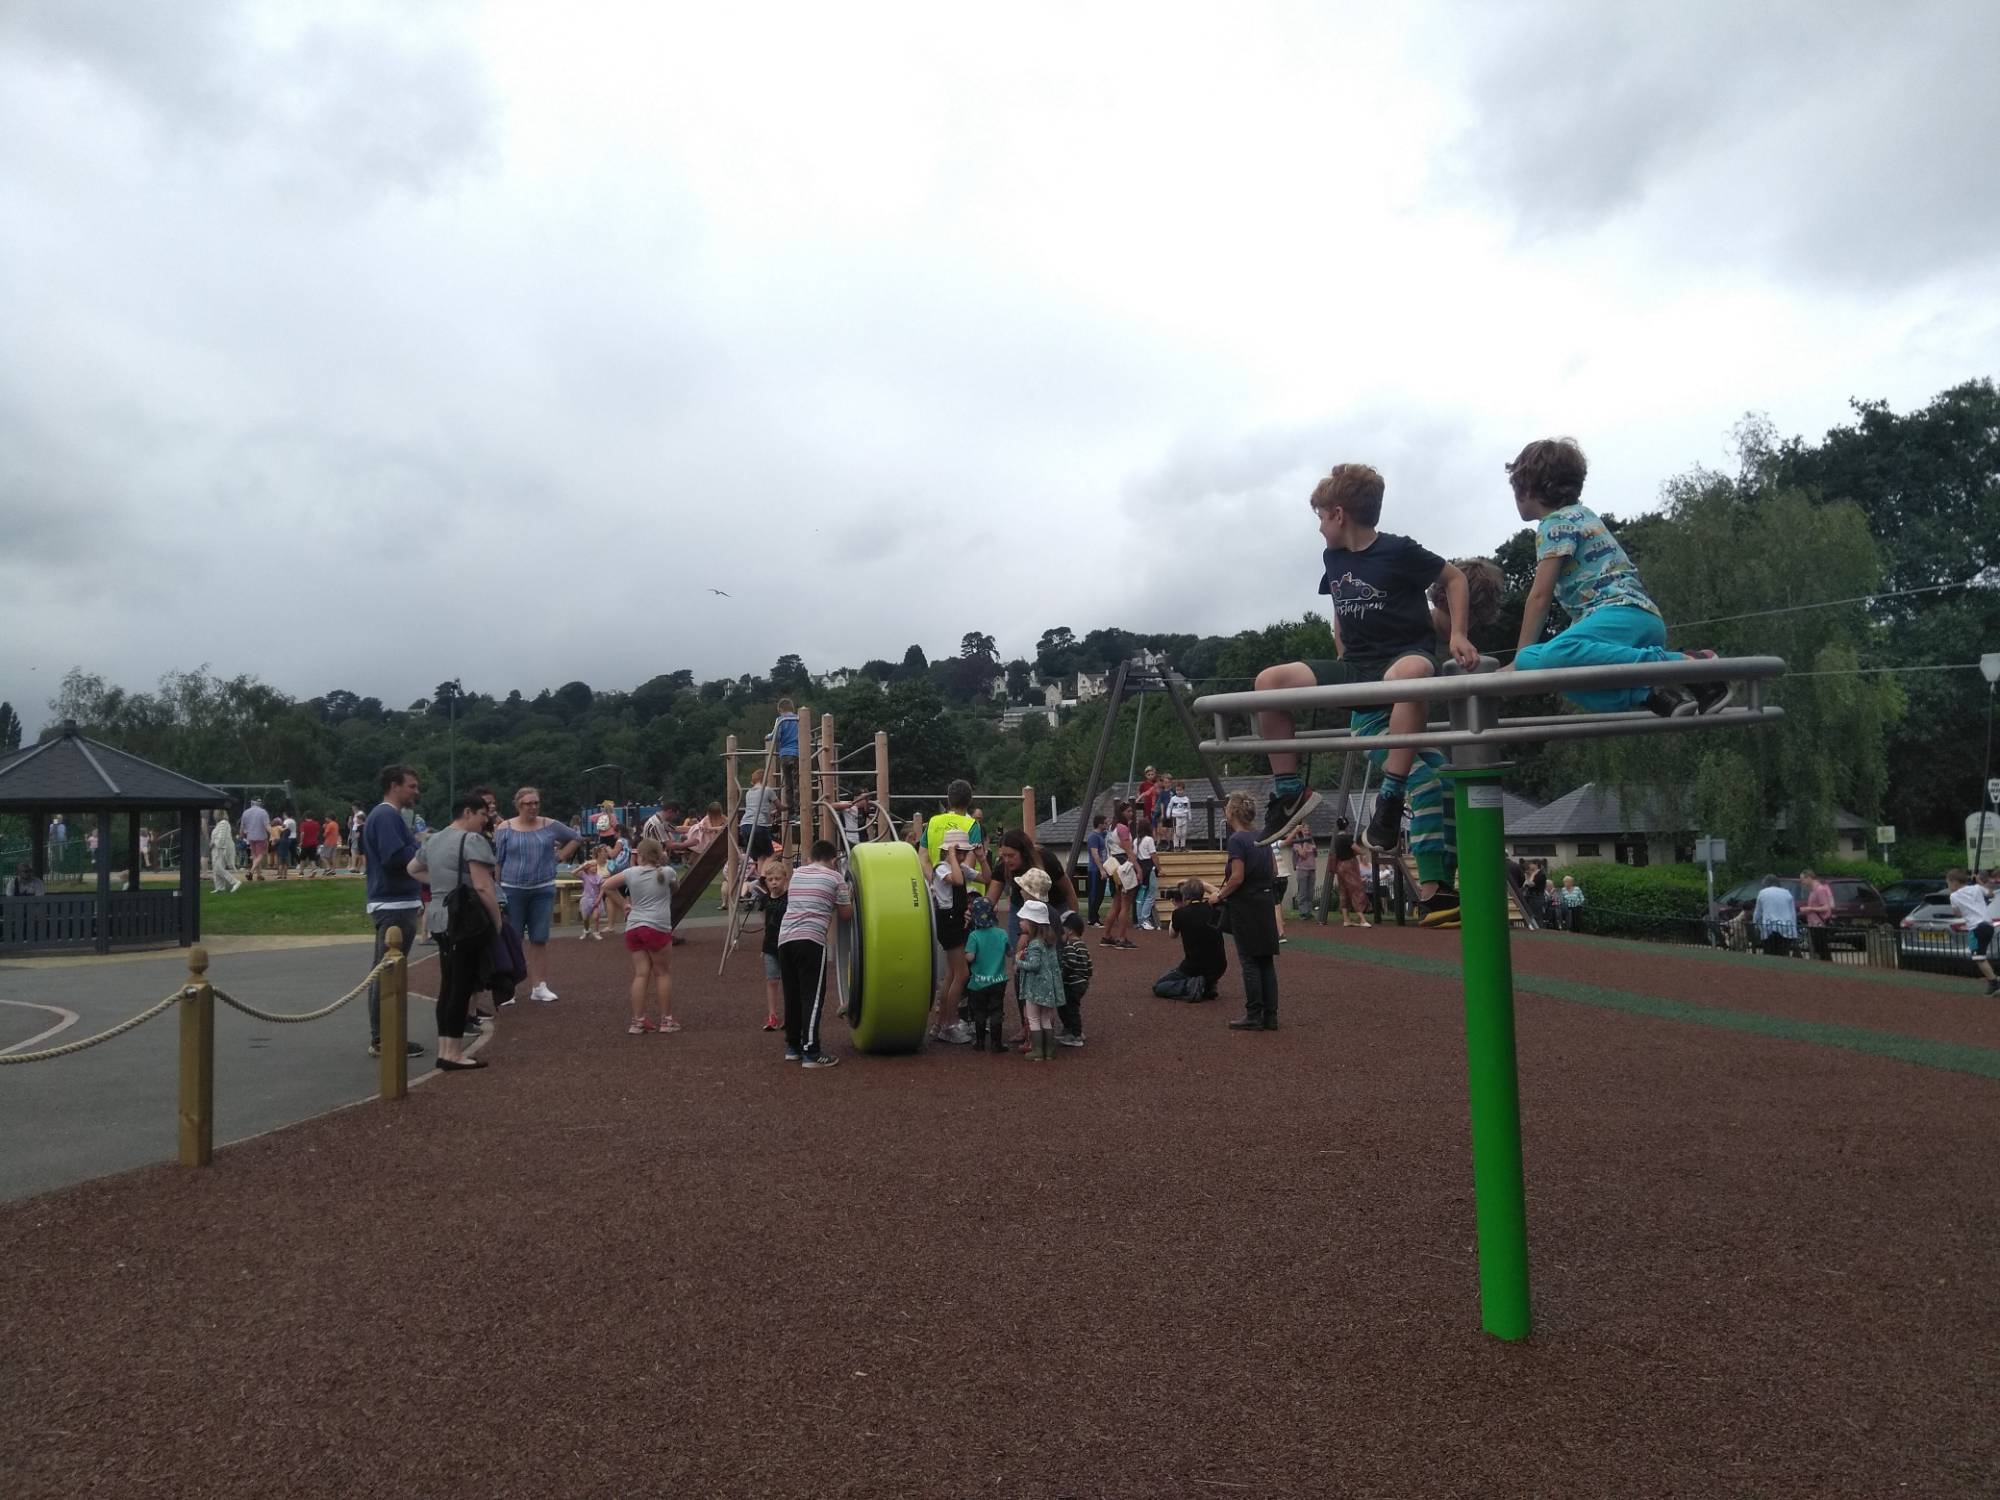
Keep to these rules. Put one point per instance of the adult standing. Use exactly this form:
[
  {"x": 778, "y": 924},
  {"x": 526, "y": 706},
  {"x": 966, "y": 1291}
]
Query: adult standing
[
  {"x": 1818, "y": 911},
  {"x": 1249, "y": 895},
  {"x": 1093, "y": 851},
  {"x": 460, "y": 854},
  {"x": 1536, "y": 890},
  {"x": 394, "y": 895},
  {"x": 355, "y": 821},
  {"x": 58, "y": 842},
  {"x": 1569, "y": 900},
  {"x": 1017, "y": 854},
  {"x": 222, "y": 856},
  {"x": 1777, "y": 917},
  {"x": 1347, "y": 876},
  {"x": 288, "y": 844},
  {"x": 309, "y": 837},
  {"x": 257, "y": 834},
  {"x": 530, "y": 846},
  {"x": 1305, "y": 869}
]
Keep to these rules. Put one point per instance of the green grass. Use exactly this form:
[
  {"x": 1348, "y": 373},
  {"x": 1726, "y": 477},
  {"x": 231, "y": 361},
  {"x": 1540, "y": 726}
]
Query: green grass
[{"x": 290, "y": 908}]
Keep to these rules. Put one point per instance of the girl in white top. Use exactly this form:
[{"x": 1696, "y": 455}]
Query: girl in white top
[{"x": 648, "y": 884}]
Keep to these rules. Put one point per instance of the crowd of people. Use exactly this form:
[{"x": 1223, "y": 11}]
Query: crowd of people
[{"x": 262, "y": 845}]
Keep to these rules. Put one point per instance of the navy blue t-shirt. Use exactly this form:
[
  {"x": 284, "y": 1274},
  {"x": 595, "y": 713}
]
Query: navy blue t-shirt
[{"x": 1378, "y": 596}]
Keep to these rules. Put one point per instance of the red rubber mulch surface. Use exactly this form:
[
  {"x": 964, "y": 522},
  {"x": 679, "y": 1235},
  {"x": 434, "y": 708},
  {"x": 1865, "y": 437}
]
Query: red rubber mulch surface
[{"x": 1178, "y": 1262}]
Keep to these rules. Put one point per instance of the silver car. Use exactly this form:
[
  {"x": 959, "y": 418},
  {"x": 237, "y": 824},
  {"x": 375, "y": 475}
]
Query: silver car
[{"x": 1935, "y": 936}]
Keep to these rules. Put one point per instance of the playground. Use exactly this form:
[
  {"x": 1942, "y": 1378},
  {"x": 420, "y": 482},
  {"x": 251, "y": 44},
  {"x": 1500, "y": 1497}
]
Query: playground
[{"x": 1180, "y": 1262}]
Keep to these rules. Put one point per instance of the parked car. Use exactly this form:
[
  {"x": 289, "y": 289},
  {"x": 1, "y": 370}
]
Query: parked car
[
  {"x": 1904, "y": 896},
  {"x": 1856, "y": 903},
  {"x": 1934, "y": 936}
]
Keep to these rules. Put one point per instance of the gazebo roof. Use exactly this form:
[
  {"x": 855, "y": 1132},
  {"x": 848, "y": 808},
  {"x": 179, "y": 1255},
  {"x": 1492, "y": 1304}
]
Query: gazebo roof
[{"x": 71, "y": 771}]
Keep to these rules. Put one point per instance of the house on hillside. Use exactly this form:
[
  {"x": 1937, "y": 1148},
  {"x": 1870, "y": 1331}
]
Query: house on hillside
[
  {"x": 839, "y": 677},
  {"x": 1011, "y": 719},
  {"x": 1659, "y": 827}
]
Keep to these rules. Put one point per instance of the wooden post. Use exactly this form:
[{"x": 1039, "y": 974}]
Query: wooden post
[
  {"x": 190, "y": 902},
  {"x": 829, "y": 780},
  {"x": 882, "y": 783},
  {"x": 132, "y": 866},
  {"x": 805, "y": 806},
  {"x": 1028, "y": 811},
  {"x": 104, "y": 882},
  {"x": 197, "y": 1102},
  {"x": 395, "y": 1060},
  {"x": 732, "y": 872}
]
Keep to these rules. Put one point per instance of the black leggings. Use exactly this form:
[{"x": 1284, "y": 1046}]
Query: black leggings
[{"x": 458, "y": 977}]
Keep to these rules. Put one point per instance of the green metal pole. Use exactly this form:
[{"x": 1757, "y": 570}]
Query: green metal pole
[{"x": 1500, "y": 1203}]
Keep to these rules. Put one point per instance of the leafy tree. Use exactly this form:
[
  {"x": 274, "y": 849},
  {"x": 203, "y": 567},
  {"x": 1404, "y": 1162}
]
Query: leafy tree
[
  {"x": 10, "y": 728},
  {"x": 877, "y": 670},
  {"x": 1018, "y": 684},
  {"x": 789, "y": 675},
  {"x": 915, "y": 665},
  {"x": 980, "y": 648},
  {"x": 1055, "y": 652}
]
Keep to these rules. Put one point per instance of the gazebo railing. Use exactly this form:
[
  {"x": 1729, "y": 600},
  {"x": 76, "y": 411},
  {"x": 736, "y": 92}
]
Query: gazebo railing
[{"x": 69, "y": 919}]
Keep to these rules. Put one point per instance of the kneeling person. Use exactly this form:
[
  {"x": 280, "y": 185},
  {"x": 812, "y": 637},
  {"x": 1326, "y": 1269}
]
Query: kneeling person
[{"x": 1204, "y": 960}]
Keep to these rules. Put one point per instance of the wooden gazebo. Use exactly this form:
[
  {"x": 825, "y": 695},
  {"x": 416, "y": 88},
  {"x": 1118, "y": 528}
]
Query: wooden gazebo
[{"x": 79, "y": 777}]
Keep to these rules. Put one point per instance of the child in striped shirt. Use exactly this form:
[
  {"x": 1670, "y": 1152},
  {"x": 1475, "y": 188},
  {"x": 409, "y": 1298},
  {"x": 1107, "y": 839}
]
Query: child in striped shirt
[{"x": 818, "y": 893}]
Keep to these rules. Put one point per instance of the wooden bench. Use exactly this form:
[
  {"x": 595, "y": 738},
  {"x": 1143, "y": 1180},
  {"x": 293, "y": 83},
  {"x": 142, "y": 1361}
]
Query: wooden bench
[{"x": 569, "y": 901}]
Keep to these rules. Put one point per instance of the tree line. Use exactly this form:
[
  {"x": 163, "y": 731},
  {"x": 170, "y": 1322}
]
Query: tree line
[{"x": 1883, "y": 506}]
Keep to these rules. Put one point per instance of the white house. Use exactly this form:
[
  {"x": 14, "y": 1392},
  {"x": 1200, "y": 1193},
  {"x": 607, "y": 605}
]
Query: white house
[{"x": 1092, "y": 685}]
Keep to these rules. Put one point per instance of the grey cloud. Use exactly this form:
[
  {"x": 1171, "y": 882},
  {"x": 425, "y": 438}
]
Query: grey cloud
[
  {"x": 351, "y": 106},
  {"x": 1852, "y": 141}
]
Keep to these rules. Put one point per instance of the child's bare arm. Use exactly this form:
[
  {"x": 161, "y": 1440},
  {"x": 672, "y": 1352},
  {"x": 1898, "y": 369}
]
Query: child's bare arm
[
  {"x": 1457, "y": 603},
  {"x": 1541, "y": 594}
]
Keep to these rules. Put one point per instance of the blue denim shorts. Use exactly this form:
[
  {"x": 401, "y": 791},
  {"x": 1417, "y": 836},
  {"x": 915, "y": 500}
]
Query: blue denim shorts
[
  {"x": 771, "y": 969},
  {"x": 529, "y": 909}
]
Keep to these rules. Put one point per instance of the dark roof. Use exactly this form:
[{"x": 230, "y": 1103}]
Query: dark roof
[
  {"x": 1060, "y": 830},
  {"x": 71, "y": 771},
  {"x": 1593, "y": 811}
]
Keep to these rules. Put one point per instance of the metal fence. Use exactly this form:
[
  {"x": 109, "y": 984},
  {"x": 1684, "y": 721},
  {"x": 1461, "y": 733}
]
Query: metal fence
[{"x": 1878, "y": 947}]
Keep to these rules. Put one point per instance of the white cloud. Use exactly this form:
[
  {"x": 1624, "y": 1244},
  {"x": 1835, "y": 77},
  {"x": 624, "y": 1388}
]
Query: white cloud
[{"x": 820, "y": 305}]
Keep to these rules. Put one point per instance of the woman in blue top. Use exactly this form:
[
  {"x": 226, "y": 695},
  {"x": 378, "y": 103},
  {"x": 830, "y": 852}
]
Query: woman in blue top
[{"x": 529, "y": 846}]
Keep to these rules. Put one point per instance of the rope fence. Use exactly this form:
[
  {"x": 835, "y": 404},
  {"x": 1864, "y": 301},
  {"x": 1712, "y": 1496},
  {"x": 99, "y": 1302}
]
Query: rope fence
[
  {"x": 84, "y": 1044},
  {"x": 278, "y": 1019},
  {"x": 196, "y": 999}
]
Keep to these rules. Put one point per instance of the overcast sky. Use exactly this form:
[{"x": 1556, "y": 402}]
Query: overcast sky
[{"x": 479, "y": 340}]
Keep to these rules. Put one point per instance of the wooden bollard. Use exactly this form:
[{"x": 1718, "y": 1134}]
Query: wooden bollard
[
  {"x": 1028, "y": 810},
  {"x": 395, "y": 1018},
  {"x": 197, "y": 1101}
]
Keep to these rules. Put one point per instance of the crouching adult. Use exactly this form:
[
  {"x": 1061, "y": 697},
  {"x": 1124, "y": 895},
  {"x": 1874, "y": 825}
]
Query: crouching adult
[{"x": 1199, "y": 924}]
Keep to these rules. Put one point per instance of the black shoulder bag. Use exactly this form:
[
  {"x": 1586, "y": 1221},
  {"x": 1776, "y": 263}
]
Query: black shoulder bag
[{"x": 465, "y": 917}]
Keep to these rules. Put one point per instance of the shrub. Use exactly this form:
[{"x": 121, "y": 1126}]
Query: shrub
[
  {"x": 1642, "y": 891},
  {"x": 1872, "y": 871}
]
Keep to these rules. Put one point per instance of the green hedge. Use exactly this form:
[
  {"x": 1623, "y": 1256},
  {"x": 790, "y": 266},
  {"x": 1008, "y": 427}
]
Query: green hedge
[
  {"x": 1872, "y": 871},
  {"x": 1644, "y": 890}
]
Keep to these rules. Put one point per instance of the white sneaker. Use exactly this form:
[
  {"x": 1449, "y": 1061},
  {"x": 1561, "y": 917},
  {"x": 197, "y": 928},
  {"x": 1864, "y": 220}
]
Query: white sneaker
[
  {"x": 596, "y": 934},
  {"x": 542, "y": 993},
  {"x": 582, "y": 935}
]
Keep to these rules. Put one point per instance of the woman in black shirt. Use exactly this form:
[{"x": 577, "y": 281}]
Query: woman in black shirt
[{"x": 1249, "y": 895}]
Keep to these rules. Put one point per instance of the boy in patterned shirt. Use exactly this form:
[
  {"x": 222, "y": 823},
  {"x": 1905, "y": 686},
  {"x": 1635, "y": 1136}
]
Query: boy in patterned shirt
[{"x": 1579, "y": 564}]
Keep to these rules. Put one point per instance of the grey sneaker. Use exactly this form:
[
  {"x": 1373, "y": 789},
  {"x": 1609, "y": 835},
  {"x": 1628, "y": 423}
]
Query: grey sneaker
[
  {"x": 959, "y": 1033},
  {"x": 821, "y": 1060},
  {"x": 1068, "y": 1039}
]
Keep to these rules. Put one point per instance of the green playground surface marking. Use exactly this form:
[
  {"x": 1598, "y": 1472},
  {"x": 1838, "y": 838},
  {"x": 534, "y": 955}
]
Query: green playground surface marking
[
  {"x": 1950, "y": 1057},
  {"x": 1943, "y": 984}
]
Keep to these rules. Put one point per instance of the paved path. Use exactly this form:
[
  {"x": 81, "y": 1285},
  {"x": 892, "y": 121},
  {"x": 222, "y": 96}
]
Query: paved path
[{"x": 112, "y": 1108}]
